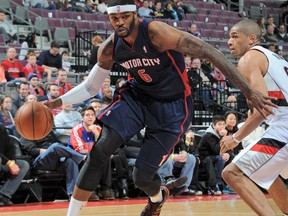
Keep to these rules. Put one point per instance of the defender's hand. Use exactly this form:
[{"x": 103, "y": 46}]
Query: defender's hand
[
  {"x": 226, "y": 144},
  {"x": 262, "y": 103}
]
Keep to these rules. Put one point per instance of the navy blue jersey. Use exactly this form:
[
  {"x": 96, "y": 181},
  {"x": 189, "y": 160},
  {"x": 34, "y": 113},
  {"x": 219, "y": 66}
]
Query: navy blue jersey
[{"x": 158, "y": 74}]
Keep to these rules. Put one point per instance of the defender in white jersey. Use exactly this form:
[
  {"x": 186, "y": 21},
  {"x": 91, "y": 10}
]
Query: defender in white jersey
[{"x": 261, "y": 162}]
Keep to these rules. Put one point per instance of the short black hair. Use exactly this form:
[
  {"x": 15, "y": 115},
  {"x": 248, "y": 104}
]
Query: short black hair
[
  {"x": 54, "y": 44},
  {"x": 23, "y": 83},
  {"x": 85, "y": 109},
  {"x": 52, "y": 84},
  {"x": 217, "y": 118},
  {"x": 65, "y": 52},
  {"x": 231, "y": 112},
  {"x": 111, "y": 3}
]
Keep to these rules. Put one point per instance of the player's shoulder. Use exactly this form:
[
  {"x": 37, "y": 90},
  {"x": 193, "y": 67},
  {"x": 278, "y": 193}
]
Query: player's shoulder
[
  {"x": 157, "y": 25},
  {"x": 253, "y": 56}
]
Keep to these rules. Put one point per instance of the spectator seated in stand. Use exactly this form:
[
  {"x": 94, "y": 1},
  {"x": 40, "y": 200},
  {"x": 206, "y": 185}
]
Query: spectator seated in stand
[
  {"x": 282, "y": 35},
  {"x": 194, "y": 30},
  {"x": 169, "y": 12},
  {"x": 14, "y": 170},
  {"x": 13, "y": 68},
  {"x": 92, "y": 54},
  {"x": 64, "y": 5},
  {"x": 66, "y": 64},
  {"x": 82, "y": 139},
  {"x": 270, "y": 37},
  {"x": 183, "y": 160},
  {"x": 209, "y": 151},
  {"x": 29, "y": 42},
  {"x": 51, "y": 59},
  {"x": 52, "y": 93},
  {"x": 34, "y": 87},
  {"x": 66, "y": 119},
  {"x": 32, "y": 67},
  {"x": 10, "y": 29},
  {"x": 145, "y": 11},
  {"x": 18, "y": 97},
  {"x": 106, "y": 85},
  {"x": 6, "y": 117},
  {"x": 63, "y": 85},
  {"x": 43, "y": 4}
]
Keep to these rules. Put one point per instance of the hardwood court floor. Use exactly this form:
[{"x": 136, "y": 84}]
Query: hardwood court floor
[{"x": 225, "y": 205}]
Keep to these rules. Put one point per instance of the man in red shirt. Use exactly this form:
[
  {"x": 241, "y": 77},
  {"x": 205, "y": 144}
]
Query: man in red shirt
[
  {"x": 13, "y": 68},
  {"x": 61, "y": 82}
]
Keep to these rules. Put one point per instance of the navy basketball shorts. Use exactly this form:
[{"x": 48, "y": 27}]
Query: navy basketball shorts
[{"x": 165, "y": 121}]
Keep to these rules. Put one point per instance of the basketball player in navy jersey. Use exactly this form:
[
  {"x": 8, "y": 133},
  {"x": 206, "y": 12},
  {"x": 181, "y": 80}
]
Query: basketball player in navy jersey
[{"x": 157, "y": 97}]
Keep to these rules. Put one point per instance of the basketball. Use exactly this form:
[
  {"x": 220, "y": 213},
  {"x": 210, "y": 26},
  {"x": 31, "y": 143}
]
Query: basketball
[{"x": 33, "y": 121}]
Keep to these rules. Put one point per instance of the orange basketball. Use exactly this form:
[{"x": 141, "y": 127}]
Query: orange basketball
[{"x": 33, "y": 121}]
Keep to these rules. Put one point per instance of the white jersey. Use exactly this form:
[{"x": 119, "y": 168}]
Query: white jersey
[
  {"x": 276, "y": 77},
  {"x": 264, "y": 159}
]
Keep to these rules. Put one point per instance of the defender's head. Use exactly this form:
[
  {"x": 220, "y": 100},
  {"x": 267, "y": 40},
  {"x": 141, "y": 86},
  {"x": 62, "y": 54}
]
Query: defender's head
[{"x": 243, "y": 35}]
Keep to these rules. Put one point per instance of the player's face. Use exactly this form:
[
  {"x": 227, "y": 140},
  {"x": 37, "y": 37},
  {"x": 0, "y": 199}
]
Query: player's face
[
  {"x": 123, "y": 23},
  {"x": 89, "y": 117},
  {"x": 238, "y": 42}
]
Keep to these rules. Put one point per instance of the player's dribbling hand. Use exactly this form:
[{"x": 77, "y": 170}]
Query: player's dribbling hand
[
  {"x": 52, "y": 104},
  {"x": 226, "y": 144},
  {"x": 262, "y": 103}
]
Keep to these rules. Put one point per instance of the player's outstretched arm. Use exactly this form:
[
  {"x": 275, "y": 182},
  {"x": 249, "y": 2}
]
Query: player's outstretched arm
[
  {"x": 165, "y": 37},
  {"x": 92, "y": 84}
]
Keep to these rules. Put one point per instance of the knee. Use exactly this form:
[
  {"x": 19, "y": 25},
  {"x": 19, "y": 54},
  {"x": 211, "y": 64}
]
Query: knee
[
  {"x": 142, "y": 178},
  {"x": 54, "y": 147},
  {"x": 191, "y": 159},
  {"x": 70, "y": 163},
  {"x": 230, "y": 172},
  {"x": 24, "y": 166},
  {"x": 98, "y": 154}
]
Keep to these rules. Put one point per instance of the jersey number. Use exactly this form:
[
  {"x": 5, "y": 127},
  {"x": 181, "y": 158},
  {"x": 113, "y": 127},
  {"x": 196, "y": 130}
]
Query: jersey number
[{"x": 144, "y": 76}]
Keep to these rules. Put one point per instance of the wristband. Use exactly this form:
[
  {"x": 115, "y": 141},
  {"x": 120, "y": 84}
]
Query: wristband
[
  {"x": 11, "y": 164},
  {"x": 172, "y": 156},
  {"x": 235, "y": 140}
]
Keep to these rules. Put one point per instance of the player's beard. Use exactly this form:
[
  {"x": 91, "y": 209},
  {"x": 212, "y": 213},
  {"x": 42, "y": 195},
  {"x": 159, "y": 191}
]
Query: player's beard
[{"x": 129, "y": 30}]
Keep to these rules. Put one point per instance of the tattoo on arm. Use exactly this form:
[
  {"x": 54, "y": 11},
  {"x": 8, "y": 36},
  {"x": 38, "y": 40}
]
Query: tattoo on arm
[
  {"x": 106, "y": 55},
  {"x": 196, "y": 48}
]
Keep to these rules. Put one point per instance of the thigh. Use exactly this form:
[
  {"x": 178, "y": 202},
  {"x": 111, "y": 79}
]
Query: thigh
[
  {"x": 166, "y": 124},
  {"x": 124, "y": 115},
  {"x": 263, "y": 161}
]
